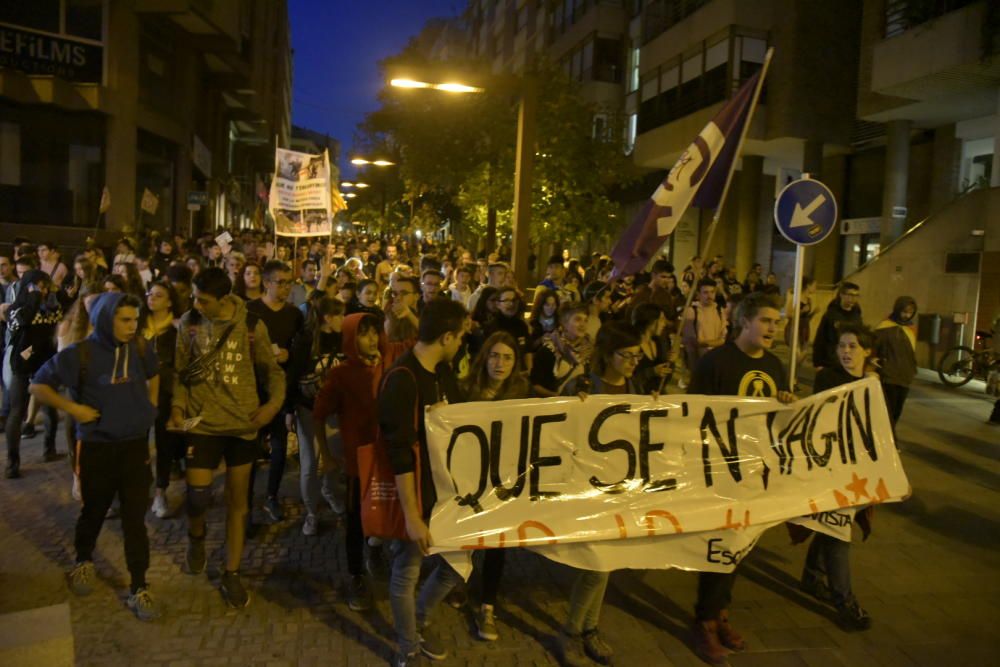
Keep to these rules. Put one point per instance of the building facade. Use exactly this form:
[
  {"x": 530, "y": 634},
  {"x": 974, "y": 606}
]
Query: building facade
[
  {"x": 892, "y": 103},
  {"x": 139, "y": 96}
]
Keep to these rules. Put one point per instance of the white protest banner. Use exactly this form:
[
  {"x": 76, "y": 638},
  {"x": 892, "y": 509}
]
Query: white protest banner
[
  {"x": 632, "y": 481},
  {"x": 300, "y": 194}
]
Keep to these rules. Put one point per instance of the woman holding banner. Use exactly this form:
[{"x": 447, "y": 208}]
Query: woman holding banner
[
  {"x": 497, "y": 374},
  {"x": 827, "y": 572},
  {"x": 617, "y": 353}
]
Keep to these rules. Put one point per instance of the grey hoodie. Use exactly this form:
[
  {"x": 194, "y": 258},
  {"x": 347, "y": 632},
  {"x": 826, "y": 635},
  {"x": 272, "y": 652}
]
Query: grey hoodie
[{"x": 226, "y": 398}]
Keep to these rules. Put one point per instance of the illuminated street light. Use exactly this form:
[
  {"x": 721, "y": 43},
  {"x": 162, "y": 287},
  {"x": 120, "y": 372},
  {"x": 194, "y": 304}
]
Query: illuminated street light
[
  {"x": 350, "y": 195},
  {"x": 361, "y": 185},
  {"x": 448, "y": 87},
  {"x": 524, "y": 154},
  {"x": 377, "y": 163},
  {"x": 346, "y": 184},
  {"x": 409, "y": 83}
]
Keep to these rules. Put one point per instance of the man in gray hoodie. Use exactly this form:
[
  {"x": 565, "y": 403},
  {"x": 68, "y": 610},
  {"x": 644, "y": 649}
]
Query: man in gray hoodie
[{"x": 224, "y": 364}]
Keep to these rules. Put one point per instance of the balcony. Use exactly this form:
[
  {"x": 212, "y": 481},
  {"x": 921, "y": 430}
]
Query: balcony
[
  {"x": 932, "y": 57},
  {"x": 206, "y": 20}
]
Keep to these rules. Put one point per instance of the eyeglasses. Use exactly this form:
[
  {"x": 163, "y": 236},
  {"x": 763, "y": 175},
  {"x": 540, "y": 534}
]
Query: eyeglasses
[
  {"x": 632, "y": 357},
  {"x": 397, "y": 295}
]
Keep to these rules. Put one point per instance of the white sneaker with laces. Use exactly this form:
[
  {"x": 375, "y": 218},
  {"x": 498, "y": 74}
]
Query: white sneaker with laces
[
  {"x": 160, "y": 508},
  {"x": 310, "y": 525}
]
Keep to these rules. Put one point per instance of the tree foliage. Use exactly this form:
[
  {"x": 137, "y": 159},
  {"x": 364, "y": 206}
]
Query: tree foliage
[{"x": 461, "y": 148}]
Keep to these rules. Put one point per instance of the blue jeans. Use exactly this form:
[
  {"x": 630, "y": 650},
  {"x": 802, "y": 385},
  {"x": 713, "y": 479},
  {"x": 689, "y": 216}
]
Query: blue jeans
[
  {"x": 310, "y": 479},
  {"x": 585, "y": 602},
  {"x": 829, "y": 557},
  {"x": 409, "y": 613}
]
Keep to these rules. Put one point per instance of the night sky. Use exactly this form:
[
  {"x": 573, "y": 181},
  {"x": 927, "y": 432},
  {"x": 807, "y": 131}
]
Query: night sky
[{"x": 337, "y": 45}]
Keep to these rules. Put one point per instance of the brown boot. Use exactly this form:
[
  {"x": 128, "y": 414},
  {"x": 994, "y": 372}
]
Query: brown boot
[
  {"x": 706, "y": 643},
  {"x": 728, "y": 635}
]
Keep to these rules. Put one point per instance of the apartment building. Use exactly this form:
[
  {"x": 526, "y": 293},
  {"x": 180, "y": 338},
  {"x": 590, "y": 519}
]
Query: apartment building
[{"x": 136, "y": 95}]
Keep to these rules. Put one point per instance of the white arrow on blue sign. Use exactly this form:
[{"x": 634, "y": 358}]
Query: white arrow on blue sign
[{"x": 805, "y": 212}]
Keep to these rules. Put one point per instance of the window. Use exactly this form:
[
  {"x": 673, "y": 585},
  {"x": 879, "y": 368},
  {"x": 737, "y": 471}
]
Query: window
[
  {"x": 630, "y": 132},
  {"x": 600, "y": 128},
  {"x": 53, "y": 166},
  {"x": 35, "y": 14},
  {"x": 84, "y": 18},
  {"x": 633, "y": 70}
]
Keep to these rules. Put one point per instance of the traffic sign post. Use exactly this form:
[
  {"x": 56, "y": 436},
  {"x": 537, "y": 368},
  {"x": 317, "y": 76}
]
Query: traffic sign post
[{"x": 805, "y": 213}]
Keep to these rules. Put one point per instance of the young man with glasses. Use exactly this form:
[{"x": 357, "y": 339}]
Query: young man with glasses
[
  {"x": 401, "y": 311},
  {"x": 844, "y": 308},
  {"x": 283, "y": 321},
  {"x": 509, "y": 318},
  {"x": 430, "y": 287}
]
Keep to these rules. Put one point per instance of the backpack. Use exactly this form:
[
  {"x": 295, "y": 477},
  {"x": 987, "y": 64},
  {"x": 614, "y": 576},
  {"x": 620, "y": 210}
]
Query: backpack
[
  {"x": 691, "y": 337},
  {"x": 311, "y": 381}
]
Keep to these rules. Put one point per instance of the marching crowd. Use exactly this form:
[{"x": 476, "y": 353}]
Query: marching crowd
[{"x": 230, "y": 353}]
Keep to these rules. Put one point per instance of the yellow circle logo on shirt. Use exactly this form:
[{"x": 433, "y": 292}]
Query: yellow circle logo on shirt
[{"x": 758, "y": 384}]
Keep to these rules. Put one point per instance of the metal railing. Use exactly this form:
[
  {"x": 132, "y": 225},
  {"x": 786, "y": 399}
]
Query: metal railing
[{"x": 903, "y": 15}]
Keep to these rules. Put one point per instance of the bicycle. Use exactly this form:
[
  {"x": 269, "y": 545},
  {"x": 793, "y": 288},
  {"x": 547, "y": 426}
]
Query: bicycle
[{"x": 959, "y": 365}]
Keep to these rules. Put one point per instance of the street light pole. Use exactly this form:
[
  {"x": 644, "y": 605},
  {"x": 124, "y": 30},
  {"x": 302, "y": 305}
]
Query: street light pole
[{"x": 524, "y": 164}]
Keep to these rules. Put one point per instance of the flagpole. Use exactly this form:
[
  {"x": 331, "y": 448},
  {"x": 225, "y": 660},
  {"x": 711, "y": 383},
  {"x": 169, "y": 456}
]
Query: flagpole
[
  {"x": 729, "y": 180},
  {"x": 729, "y": 176}
]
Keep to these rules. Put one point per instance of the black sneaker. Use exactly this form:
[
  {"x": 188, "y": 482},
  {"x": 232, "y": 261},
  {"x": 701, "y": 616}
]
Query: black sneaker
[
  {"x": 457, "y": 597},
  {"x": 432, "y": 646},
  {"x": 52, "y": 456},
  {"x": 817, "y": 588},
  {"x": 359, "y": 595},
  {"x": 233, "y": 592},
  {"x": 569, "y": 651},
  {"x": 272, "y": 507},
  {"x": 851, "y": 616},
  {"x": 28, "y": 430},
  {"x": 12, "y": 472},
  {"x": 596, "y": 648},
  {"x": 195, "y": 555}
]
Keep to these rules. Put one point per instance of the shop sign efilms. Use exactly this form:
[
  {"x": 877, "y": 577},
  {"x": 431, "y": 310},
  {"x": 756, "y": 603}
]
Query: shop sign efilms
[{"x": 41, "y": 54}]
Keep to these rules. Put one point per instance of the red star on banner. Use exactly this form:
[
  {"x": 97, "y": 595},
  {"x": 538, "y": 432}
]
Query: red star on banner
[{"x": 858, "y": 486}]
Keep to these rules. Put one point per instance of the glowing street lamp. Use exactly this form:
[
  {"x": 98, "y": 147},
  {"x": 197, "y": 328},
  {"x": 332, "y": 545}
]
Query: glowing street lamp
[
  {"x": 524, "y": 157},
  {"x": 377, "y": 163}
]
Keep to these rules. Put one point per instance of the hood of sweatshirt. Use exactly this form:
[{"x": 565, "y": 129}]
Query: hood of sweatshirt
[
  {"x": 349, "y": 333},
  {"x": 901, "y": 304},
  {"x": 102, "y": 318}
]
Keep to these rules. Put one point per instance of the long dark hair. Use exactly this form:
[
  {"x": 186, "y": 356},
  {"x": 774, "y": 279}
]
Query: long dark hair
[
  {"x": 478, "y": 380},
  {"x": 611, "y": 337},
  {"x": 320, "y": 307},
  {"x": 480, "y": 313}
]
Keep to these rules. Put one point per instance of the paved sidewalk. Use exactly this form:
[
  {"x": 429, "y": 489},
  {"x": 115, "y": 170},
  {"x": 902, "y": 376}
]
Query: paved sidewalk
[{"x": 929, "y": 577}]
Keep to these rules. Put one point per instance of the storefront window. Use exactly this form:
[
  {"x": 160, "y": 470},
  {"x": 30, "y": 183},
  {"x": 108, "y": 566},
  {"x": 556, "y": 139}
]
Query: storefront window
[
  {"x": 54, "y": 166},
  {"x": 36, "y": 14},
  {"x": 83, "y": 18}
]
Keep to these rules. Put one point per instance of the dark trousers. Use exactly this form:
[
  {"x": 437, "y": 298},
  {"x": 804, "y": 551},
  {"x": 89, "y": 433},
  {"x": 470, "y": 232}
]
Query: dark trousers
[
  {"x": 830, "y": 558},
  {"x": 715, "y": 592},
  {"x": 895, "y": 397},
  {"x": 279, "y": 453},
  {"x": 169, "y": 446},
  {"x": 108, "y": 469},
  {"x": 995, "y": 417},
  {"x": 354, "y": 538},
  {"x": 493, "y": 562},
  {"x": 19, "y": 396}
]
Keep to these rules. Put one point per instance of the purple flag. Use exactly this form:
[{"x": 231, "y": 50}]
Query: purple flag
[{"x": 698, "y": 178}]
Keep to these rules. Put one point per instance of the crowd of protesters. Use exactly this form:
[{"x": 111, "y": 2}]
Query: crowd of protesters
[{"x": 220, "y": 353}]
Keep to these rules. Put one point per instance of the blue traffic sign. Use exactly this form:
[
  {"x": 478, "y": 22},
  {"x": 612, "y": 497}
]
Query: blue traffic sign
[
  {"x": 197, "y": 198},
  {"x": 805, "y": 212}
]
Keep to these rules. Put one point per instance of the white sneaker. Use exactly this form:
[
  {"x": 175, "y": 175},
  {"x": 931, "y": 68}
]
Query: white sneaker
[
  {"x": 77, "y": 495},
  {"x": 160, "y": 508},
  {"x": 310, "y": 525}
]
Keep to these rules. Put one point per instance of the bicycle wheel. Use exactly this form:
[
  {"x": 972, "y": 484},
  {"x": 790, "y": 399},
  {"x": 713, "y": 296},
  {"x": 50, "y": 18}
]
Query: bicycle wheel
[{"x": 957, "y": 366}]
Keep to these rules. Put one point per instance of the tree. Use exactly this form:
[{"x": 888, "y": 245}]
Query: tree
[{"x": 461, "y": 148}]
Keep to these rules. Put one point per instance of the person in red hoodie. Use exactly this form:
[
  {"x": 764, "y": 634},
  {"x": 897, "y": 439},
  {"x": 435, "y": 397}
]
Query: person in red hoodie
[{"x": 349, "y": 393}]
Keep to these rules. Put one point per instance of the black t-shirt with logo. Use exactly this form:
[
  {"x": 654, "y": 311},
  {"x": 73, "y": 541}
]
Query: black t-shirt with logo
[{"x": 728, "y": 371}]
